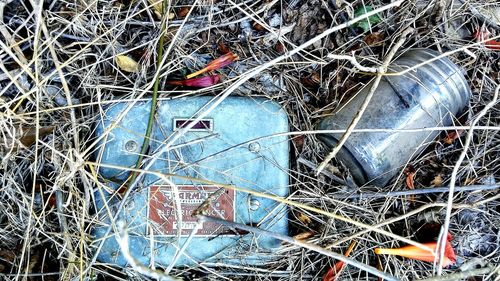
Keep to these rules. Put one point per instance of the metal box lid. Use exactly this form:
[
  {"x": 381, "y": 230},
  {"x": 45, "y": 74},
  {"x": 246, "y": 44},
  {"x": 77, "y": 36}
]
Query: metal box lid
[{"x": 234, "y": 144}]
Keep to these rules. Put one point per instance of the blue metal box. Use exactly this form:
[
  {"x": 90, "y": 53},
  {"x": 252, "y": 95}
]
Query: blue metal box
[{"x": 234, "y": 145}]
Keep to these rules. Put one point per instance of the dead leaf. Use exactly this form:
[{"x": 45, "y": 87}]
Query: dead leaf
[
  {"x": 223, "y": 48},
  {"x": 316, "y": 77},
  {"x": 217, "y": 63},
  {"x": 199, "y": 82},
  {"x": 126, "y": 63},
  {"x": 52, "y": 201},
  {"x": 157, "y": 10},
  {"x": 304, "y": 235},
  {"x": 334, "y": 170},
  {"x": 257, "y": 26},
  {"x": 437, "y": 181},
  {"x": 279, "y": 48},
  {"x": 452, "y": 136},
  {"x": 374, "y": 39},
  {"x": 483, "y": 34},
  {"x": 7, "y": 255},
  {"x": 469, "y": 181},
  {"x": 299, "y": 142},
  {"x": 304, "y": 218},
  {"x": 379, "y": 267},
  {"x": 410, "y": 175},
  {"x": 311, "y": 81},
  {"x": 182, "y": 12},
  {"x": 33, "y": 261},
  {"x": 157, "y": 7},
  {"x": 29, "y": 136},
  {"x": 410, "y": 180},
  {"x": 26, "y": 136}
]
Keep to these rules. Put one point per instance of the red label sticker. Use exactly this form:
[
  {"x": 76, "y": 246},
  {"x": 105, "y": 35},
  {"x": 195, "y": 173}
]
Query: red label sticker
[{"x": 162, "y": 212}]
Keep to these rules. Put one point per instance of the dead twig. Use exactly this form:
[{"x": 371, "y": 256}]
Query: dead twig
[
  {"x": 368, "y": 228},
  {"x": 462, "y": 275},
  {"x": 123, "y": 241},
  {"x": 374, "y": 195},
  {"x": 249, "y": 74},
  {"x": 299, "y": 243},
  {"x": 453, "y": 179},
  {"x": 355, "y": 63}
]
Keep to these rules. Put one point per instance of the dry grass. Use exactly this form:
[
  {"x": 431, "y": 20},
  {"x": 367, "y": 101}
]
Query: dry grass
[{"x": 58, "y": 72}]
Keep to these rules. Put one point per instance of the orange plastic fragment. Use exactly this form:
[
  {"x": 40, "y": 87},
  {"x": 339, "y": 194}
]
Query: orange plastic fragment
[
  {"x": 334, "y": 271},
  {"x": 416, "y": 253}
]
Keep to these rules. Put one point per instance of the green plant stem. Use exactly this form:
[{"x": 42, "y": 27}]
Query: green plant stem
[{"x": 154, "y": 99}]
